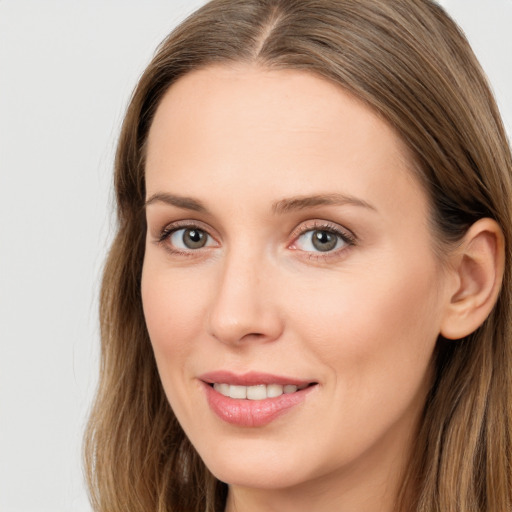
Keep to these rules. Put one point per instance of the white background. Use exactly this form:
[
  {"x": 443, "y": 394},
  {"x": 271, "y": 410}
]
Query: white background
[{"x": 67, "y": 69}]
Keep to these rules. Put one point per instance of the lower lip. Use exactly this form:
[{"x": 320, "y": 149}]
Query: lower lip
[{"x": 252, "y": 413}]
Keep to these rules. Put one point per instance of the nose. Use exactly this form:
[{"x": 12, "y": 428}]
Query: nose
[{"x": 245, "y": 304}]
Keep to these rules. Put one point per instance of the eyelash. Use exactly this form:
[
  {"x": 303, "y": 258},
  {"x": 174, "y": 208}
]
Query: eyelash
[
  {"x": 170, "y": 229},
  {"x": 345, "y": 235}
]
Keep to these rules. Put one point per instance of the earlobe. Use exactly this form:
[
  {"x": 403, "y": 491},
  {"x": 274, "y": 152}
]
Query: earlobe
[{"x": 479, "y": 266}]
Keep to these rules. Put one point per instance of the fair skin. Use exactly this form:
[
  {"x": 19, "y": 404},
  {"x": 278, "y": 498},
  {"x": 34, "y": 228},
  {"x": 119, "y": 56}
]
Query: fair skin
[{"x": 234, "y": 281}]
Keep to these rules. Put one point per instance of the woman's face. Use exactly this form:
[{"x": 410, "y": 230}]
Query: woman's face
[{"x": 288, "y": 251}]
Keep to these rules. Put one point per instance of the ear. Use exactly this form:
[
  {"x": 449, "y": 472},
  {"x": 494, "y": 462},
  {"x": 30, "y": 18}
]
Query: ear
[{"x": 478, "y": 264}]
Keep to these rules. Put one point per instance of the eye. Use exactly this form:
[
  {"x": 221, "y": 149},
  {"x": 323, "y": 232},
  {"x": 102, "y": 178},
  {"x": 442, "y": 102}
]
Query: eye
[
  {"x": 189, "y": 238},
  {"x": 321, "y": 240}
]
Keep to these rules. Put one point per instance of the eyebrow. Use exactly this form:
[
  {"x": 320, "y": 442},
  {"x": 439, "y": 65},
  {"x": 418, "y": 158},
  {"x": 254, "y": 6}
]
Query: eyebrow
[
  {"x": 186, "y": 203},
  {"x": 303, "y": 202},
  {"x": 279, "y": 207}
]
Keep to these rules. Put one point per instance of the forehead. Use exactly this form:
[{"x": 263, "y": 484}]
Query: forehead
[
  {"x": 251, "y": 97},
  {"x": 244, "y": 125}
]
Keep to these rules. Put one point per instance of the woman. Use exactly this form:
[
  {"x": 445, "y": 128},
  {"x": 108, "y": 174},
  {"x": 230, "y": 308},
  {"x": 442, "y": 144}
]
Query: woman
[{"x": 307, "y": 304}]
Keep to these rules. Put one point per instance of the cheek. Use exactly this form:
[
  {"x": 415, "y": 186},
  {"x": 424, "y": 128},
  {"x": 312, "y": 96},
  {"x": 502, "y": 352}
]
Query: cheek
[
  {"x": 373, "y": 328},
  {"x": 174, "y": 313},
  {"x": 373, "y": 337}
]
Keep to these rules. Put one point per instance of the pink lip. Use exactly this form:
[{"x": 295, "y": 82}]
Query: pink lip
[
  {"x": 251, "y": 413},
  {"x": 249, "y": 379}
]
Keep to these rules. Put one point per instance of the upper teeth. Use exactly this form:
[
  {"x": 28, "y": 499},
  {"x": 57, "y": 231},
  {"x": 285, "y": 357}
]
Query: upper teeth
[{"x": 258, "y": 392}]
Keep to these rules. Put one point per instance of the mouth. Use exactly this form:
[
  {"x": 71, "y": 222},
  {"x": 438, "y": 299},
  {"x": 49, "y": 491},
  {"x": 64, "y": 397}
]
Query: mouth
[
  {"x": 257, "y": 391},
  {"x": 253, "y": 399}
]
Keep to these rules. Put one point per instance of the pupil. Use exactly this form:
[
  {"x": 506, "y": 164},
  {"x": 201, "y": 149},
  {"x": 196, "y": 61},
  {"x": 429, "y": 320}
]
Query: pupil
[
  {"x": 194, "y": 238},
  {"x": 324, "y": 241}
]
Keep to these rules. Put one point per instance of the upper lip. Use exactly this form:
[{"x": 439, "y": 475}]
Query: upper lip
[{"x": 250, "y": 378}]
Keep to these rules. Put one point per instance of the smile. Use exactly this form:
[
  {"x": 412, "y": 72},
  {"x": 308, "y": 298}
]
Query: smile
[
  {"x": 256, "y": 392},
  {"x": 253, "y": 399}
]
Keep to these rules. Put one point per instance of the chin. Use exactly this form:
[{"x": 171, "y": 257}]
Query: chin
[
  {"x": 266, "y": 478},
  {"x": 261, "y": 468}
]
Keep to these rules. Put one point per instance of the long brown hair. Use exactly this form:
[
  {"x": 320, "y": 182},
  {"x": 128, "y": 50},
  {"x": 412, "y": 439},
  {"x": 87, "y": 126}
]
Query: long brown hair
[{"x": 409, "y": 62}]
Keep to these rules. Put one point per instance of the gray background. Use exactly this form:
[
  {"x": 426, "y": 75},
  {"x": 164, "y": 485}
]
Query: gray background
[{"x": 67, "y": 69}]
